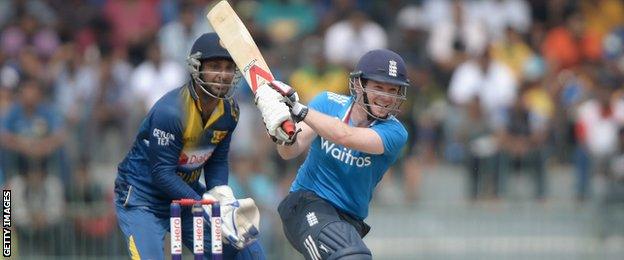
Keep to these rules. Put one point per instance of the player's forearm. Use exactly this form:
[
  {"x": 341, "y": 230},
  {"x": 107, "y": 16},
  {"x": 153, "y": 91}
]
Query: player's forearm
[
  {"x": 174, "y": 186},
  {"x": 302, "y": 142},
  {"x": 334, "y": 130},
  {"x": 219, "y": 173},
  {"x": 328, "y": 127},
  {"x": 288, "y": 152}
]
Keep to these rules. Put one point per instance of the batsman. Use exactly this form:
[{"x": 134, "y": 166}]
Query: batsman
[
  {"x": 186, "y": 132},
  {"x": 351, "y": 142}
]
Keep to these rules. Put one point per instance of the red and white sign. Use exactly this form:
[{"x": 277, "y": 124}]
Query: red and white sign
[
  {"x": 191, "y": 159},
  {"x": 176, "y": 235},
  {"x": 217, "y": 238},
  {"x": 198, "y": 235}
]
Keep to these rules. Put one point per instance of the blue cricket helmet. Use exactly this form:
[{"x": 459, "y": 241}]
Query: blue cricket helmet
[
  {"x": 382, "y": 65},
  {"x": 208, "y": 46}
]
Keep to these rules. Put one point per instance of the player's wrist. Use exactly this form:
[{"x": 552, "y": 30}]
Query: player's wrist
[
  {"x": 221, "y": 193},
  {"x": 299, "y": 111}
]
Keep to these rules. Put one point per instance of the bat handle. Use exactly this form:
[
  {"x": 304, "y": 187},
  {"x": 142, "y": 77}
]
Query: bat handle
[{"x": 289, "y": 127}]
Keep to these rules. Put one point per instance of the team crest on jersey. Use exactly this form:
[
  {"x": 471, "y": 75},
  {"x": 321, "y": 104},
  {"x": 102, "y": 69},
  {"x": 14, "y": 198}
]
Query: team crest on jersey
[
  {"x": 392, "y": 68},
  {"x": 217, "y": 136},
  {"x": 191, "y": 159}
]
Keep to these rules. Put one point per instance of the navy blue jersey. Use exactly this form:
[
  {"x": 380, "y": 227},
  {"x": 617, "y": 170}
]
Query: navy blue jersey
[
  {"x": 345, "y": 177},
  {"x": 172, "y": 148}
]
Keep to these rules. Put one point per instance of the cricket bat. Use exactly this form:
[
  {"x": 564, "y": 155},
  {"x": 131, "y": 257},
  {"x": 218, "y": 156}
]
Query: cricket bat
[{"x": 236, "y": 39}]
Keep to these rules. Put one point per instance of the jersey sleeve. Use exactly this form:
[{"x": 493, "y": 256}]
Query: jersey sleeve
[
  {"x": 393, "y": 135},
  {"x": 318, "y": 102},
  {"x": 216, "y": 170},
  {"x": 165, "y": 145}
]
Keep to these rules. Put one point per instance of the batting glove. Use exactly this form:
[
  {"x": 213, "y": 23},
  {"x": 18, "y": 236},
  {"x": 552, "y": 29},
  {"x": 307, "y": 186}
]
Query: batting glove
[
  {"x": 291, "y": 98},
  {"x": 288, "y": 142},
  {"x": 274, "y": 112}
]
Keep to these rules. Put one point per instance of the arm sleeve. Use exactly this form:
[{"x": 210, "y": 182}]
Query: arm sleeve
[
  {"x": 393, "y": 135},
  {"x": 216, "y": 170},
  {"x": 317, "y": 102},
  {"x": 165, "y": 145}
]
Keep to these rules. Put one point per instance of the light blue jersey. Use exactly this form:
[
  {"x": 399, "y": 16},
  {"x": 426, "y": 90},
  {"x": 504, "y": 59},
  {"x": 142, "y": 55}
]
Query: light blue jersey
[{"x": 345, "y": 177}]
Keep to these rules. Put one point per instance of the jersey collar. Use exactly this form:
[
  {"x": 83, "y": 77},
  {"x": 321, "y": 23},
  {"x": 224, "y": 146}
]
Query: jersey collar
[
  {"x": 193, "y": 119},
  {"x": 346, "y": 118}
]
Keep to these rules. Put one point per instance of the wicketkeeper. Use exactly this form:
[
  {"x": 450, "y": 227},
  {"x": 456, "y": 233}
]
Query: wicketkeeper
[{"x": 187, "y": 132}]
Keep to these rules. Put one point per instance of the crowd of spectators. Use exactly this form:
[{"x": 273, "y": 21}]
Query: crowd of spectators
[{"x": 497, "y": 85}]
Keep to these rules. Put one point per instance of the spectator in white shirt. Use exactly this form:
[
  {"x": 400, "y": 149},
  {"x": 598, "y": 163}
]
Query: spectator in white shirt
[
  {"x": 598, "y": 122},
  {"x": 177, "y": 36},
  {"x": 347, "y": 40},
  {"x": 461, "y": 32},
  {"x": 490, "y": 80},
  {"x": 498, "y": 15},
  {"x": 155, "y": 76}
]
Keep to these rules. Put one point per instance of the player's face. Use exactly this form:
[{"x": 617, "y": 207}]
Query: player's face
[
  {"x": 383, "y": 98},
  {"x": 218, "y": 74}
]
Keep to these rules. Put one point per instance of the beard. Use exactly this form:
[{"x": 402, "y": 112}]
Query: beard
[{"x": 219, "y": 91}]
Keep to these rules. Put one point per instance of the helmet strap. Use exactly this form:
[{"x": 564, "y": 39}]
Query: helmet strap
[
  {"x": 191, "y": 87},
  {"x": 366, "y": 106},
  {"x": 369, "y": 115}
]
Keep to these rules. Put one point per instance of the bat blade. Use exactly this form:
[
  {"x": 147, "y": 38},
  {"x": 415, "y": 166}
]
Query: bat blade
[{"x": 236, "y": 39}]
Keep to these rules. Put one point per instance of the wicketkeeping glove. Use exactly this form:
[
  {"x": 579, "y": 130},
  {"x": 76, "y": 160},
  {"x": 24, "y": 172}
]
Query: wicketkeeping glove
[{"x": 241, "y": 218}]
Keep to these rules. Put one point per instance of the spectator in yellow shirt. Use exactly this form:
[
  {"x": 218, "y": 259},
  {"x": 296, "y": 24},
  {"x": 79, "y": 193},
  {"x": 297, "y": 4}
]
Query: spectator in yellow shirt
[
  {"x": 316, "y": 74},
  {"x": 512, "y": 51}
]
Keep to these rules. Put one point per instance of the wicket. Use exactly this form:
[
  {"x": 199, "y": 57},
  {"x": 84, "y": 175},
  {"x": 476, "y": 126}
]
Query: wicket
[{"x": 175, "y": 222}]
